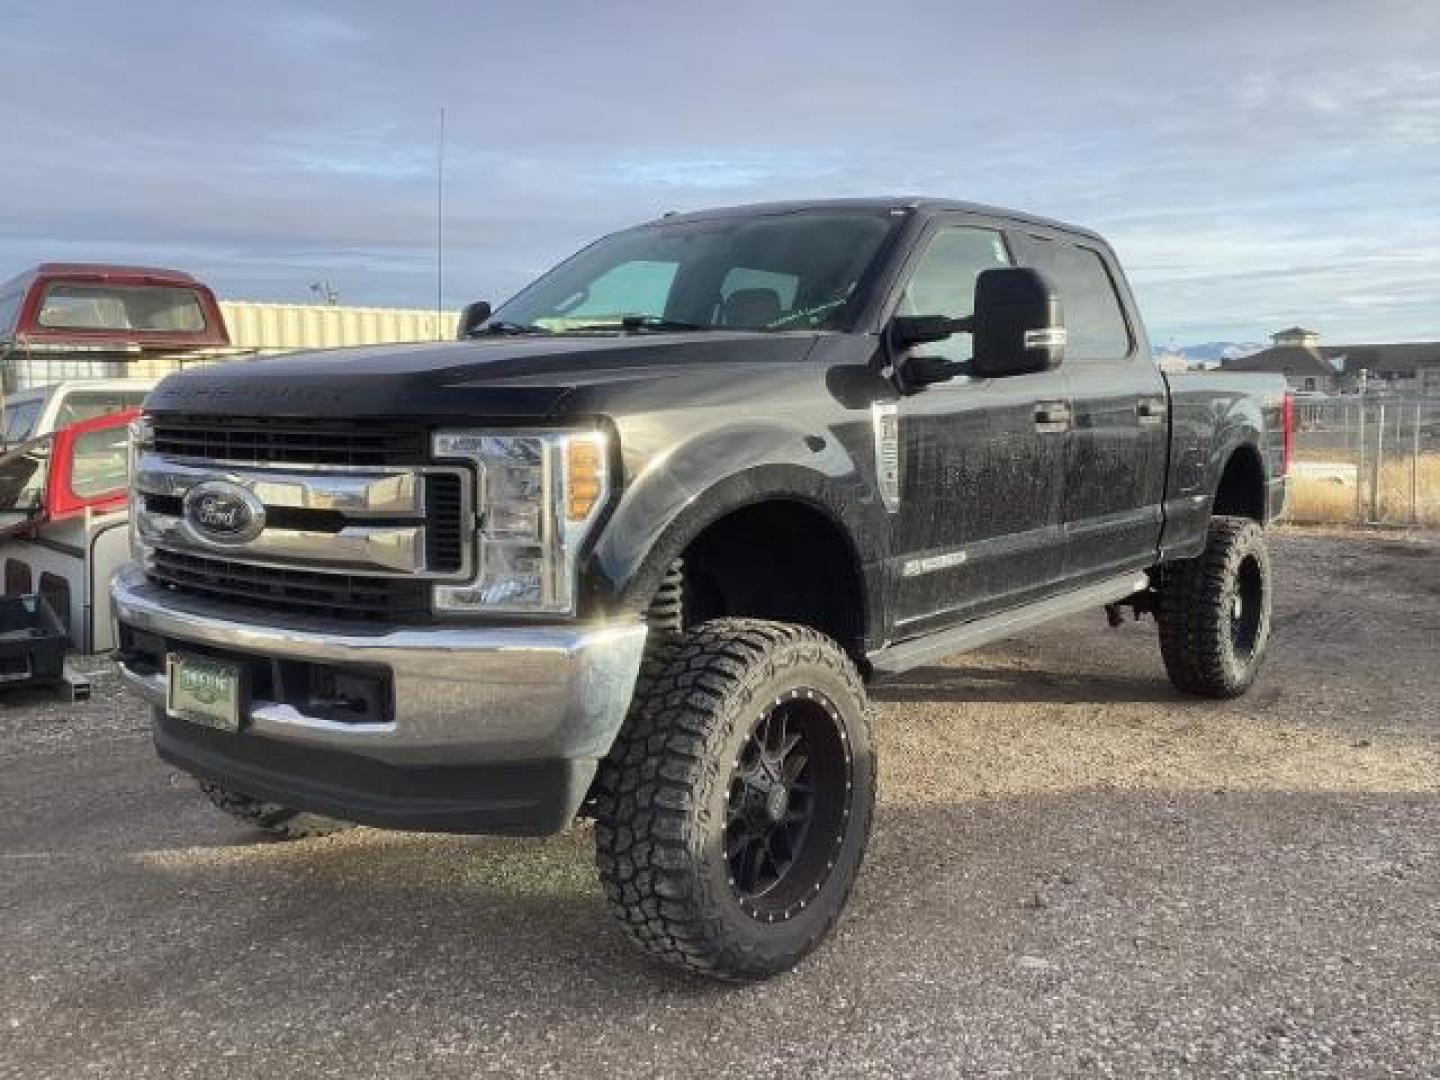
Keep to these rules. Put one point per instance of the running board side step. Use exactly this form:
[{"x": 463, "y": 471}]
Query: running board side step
[{"x": 904, "y": 655}]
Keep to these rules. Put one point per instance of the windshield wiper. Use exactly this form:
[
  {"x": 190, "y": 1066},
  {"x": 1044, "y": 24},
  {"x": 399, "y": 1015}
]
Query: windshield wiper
[
  {"x": 656, "y": 322},
  {"x": 500, "y": 326},
  {"x": 638, "y": 322}
]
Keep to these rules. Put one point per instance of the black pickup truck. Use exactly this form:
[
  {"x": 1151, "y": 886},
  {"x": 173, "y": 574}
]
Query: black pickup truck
[{"x": 635, "y": 545}]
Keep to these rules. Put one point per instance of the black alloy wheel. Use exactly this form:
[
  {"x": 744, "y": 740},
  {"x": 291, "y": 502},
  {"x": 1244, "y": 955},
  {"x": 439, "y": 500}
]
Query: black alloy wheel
[
  {"x": 789, "y": 804},
  {"x": 733, "y": 811},
  {"x": 1214, "y": 611}
]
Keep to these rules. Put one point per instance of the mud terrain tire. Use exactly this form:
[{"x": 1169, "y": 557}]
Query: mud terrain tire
[
  {"x": 732, "y": 813},
  {"x": 1215, "y": 609}
]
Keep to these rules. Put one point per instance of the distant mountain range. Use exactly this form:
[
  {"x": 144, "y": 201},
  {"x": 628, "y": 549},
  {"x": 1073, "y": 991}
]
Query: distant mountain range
[{"x": 1210, "y": 352}]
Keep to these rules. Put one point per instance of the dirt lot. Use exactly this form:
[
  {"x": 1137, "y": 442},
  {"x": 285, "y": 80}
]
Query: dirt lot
[{"x": 1074, "y": 872}]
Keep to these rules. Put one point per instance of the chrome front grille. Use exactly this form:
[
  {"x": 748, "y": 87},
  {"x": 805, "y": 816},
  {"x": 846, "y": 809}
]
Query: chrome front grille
[{"x": 337, "y": 540}]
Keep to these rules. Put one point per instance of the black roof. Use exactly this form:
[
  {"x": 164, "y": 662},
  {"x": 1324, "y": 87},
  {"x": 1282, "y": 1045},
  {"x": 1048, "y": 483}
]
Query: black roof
[
  {"x": 882, "y": 203},
  {"x": 1403, "y": 356},
  {"x": 1338, "y": 359},
  {"x": 1286, "y": 359}
]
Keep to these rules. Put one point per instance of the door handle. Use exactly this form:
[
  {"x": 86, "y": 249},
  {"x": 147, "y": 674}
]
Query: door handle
[
  {"x": 1052, "y": 415},
  {"x": 1150, "y": 410}
]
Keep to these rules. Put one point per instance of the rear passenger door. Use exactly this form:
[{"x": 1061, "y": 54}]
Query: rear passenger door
[{"x": 1116, "y": 458}]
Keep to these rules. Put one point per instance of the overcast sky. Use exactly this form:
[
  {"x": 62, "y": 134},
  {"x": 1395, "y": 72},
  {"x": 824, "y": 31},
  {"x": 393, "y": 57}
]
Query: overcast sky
[{"x": 1256, "y": 164}]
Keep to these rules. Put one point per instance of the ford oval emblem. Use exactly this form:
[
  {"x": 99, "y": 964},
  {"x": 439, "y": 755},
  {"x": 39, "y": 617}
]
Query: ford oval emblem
[{"x": 224, "y": 513}]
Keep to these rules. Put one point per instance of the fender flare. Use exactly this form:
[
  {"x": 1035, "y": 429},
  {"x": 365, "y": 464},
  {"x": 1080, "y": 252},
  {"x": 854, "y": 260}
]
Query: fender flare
[{"x": 629, "y": 560}]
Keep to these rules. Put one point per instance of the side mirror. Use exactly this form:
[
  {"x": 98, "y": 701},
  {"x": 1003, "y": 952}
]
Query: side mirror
[
  {"x": 917, "y": 371},
  {"x": 1018, "y": 325},
  {"x": 472, "y": 318},
  {"x": 910, "y": 330}
]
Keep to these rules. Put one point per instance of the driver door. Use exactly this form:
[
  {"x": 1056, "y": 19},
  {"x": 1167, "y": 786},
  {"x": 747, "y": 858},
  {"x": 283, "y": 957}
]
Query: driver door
[{"x": 979, "y": 525}]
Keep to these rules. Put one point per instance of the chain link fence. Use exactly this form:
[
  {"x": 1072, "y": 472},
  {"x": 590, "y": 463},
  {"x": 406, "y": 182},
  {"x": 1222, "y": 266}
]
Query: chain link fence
[{"x": 1366, "y": 460}]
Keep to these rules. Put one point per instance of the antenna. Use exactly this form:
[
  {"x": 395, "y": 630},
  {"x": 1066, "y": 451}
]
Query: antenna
[
  {"x": 440, "y": 229},
  {"x": 326, "y": 292}
]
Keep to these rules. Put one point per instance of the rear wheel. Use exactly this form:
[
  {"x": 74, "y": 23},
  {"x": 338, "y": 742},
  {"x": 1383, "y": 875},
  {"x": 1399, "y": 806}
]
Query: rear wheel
[
  {"x": 1214, "y": 611},
  {"x": 279, "y": 821},
  {"x": 734, "y": 810}
]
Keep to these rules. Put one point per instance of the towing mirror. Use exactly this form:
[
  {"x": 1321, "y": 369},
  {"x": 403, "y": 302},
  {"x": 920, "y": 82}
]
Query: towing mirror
[
  {"x": 472, "y": 318},
  {"x": 1019, "y": 325},
  {"x": 910, "y": 330}
]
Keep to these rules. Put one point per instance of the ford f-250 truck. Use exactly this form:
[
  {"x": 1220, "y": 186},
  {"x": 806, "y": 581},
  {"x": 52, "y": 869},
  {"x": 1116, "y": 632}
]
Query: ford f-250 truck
[{"x": 635, "y": 546}]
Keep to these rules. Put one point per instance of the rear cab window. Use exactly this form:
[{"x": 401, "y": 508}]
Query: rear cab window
[
  {"x": 149, "y": 308},
  {"x": 1095, "y": 323},
  {"x": 98, "y": 463},
  {"x": 88, "y": 404}
]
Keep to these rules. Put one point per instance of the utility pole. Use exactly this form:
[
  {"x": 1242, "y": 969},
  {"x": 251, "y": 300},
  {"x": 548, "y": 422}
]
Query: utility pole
[
  {"x": 440, "y": 229},
  {"x": 326, "y": 292}
]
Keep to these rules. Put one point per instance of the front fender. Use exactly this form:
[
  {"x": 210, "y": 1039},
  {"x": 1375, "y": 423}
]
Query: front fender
[{"x": 672, "y": 496}]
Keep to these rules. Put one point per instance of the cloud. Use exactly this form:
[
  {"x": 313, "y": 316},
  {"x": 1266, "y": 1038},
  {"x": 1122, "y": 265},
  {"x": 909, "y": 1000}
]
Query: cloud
[{"x": 1254, "y": 164}]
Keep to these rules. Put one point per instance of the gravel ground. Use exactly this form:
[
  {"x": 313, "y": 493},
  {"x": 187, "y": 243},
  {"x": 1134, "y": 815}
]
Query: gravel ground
[{"x": 1074, "y": 873}]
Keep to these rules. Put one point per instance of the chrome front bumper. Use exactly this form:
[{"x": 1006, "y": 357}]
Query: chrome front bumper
[{"x": 486, "y": 697}]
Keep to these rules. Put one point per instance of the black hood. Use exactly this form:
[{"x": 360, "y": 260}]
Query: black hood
[{"x": 503, "y": 377}]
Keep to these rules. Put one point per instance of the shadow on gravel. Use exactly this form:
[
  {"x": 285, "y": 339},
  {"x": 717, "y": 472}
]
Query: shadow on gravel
[
  {"x": 973, "y": 684},
  {"x": 520, "y": 923},
  {"x": 371, "y": 935}
]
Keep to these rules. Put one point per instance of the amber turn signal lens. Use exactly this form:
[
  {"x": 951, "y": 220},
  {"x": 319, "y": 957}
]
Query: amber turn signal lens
[{"x": 585, "y": 476}]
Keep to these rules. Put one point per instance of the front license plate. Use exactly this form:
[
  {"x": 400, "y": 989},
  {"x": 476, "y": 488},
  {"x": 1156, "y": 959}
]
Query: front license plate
[{"x": 203, "y": 691}]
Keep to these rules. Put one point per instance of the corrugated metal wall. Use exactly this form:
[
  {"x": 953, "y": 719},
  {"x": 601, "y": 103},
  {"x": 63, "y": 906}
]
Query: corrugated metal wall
[
  {"x": 280, "y": 327},
  {"x": 266, "y": 328}
]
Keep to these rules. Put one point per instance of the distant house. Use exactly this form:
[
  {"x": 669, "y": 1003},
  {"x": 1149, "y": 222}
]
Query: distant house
[
  {"x": 1311, "y": 367},
  {"x": 1297, "y": 336},
  {"x": 1296, "y": 354}
]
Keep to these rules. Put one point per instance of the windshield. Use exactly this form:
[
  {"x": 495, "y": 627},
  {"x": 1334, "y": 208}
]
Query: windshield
[{"x": 767, "y": 272}]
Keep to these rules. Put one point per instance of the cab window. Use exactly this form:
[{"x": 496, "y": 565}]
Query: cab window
[
  {"x": 88, "y": 404},
  {"x": 943, "y": 282},
  {"x": 1094, "y": 320},
  {"x": 98, "y": 463},
  {"x": 121, "y": 307}
]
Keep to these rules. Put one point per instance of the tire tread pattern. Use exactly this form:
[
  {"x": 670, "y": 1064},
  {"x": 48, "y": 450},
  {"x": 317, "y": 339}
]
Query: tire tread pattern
[
  {"x": 652, "y": 792},
  {"x": 1194, "y": 617}
]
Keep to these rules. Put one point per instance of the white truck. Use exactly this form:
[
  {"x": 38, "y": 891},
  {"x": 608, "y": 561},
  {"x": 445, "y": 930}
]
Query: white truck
[
  {"x": 44, "y": 409},
  {"x": 63, "y": 505}
]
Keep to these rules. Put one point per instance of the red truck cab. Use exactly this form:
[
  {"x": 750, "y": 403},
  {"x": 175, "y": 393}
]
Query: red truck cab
[{"x": 102, "y": 307}]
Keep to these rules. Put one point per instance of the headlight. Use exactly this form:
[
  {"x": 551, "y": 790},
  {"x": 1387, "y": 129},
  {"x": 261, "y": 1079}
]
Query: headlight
[
  {"x": 140, "y": 440},
  {"x": 539, "y": 494}
]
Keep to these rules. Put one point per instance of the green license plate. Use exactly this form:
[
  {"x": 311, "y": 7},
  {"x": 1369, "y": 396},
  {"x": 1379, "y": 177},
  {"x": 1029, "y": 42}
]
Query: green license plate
[{"x": 203, "y": 691}]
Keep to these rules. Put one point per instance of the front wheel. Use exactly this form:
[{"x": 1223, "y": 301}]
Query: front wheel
[
  {"x": 732, "y": 813},
  {"x": 1214, "y": 611}
]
